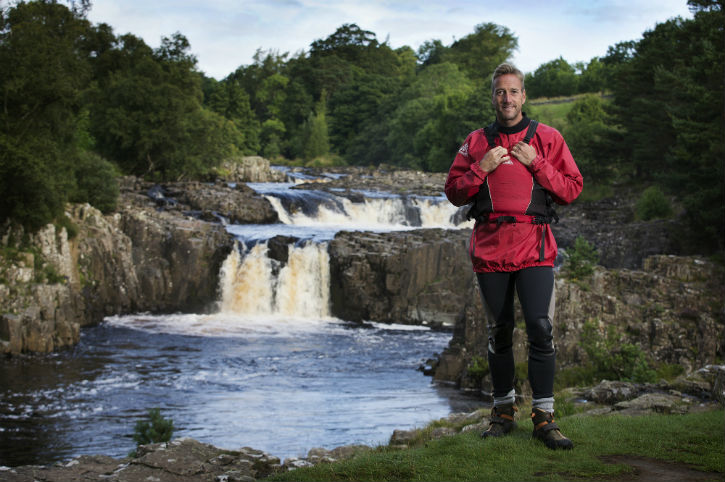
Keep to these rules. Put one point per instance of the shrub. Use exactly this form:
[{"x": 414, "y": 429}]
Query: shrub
[
  {"x": 653, "y": 204},
  {"x": 155, "y": 429},
  {"x": 96, "y": 182},
  {"x": 478, "y": 368},
  {"x": 581, "y": 259},
  {"x": 611, "y": 359}
]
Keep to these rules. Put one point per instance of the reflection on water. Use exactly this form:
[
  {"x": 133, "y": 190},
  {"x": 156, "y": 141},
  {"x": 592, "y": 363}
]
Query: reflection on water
[{"x": 279, "y": 385}]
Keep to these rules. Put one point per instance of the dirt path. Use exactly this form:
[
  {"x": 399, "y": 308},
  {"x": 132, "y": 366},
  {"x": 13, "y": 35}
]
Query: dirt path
[{"x": 653, "y": 470}]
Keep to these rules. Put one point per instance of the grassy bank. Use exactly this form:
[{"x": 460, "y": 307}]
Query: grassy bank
[{"x": 694, "y": 439}]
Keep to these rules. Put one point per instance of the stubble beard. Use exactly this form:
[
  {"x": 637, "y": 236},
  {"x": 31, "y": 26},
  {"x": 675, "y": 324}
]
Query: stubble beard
[{"x": 508, "y": 114}]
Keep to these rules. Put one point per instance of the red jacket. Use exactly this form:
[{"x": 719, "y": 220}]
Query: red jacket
[{"x": 513, "y": 246}]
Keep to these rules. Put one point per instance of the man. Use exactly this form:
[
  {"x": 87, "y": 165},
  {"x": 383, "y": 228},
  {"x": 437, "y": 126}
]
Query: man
[{"x": 511, "y": 171}]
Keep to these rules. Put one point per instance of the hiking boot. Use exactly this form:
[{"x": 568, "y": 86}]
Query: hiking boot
[
  {"x": 502, "y": 421},
  {"x": 546, "y": 430}
]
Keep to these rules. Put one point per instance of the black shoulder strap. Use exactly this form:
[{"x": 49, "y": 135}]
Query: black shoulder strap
[
  {"x": 532, "y": 130},
  {"x": 491, "y": 132}
]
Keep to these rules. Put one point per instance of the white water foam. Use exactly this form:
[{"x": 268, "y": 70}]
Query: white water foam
[{"x": 300, "y": 289}]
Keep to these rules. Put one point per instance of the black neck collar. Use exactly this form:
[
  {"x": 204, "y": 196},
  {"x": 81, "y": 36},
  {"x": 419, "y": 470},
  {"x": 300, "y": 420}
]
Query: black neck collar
[{"x": 523, "y": 124}]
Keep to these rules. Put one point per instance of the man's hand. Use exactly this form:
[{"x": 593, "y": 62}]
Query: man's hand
[
  {"x": 524, "y": 153},
  {"x": 493, "y": 158}
]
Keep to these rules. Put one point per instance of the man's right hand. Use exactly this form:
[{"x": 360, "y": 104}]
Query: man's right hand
[{"x": 494, "y": 158}]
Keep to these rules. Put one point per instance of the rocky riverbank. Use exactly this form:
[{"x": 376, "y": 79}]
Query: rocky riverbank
[
  {"x": 189, "y": 460},
  {"x": 160, "y": 252}
]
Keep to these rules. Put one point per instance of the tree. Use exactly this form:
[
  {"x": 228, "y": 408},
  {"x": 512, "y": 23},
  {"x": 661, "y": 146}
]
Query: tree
[
  {"x": 43, "y": 70},
  {"x": 147, "y": 115},
  {"x": 668, "y": 96},
  {"x": 359, "y": 117},
  {"x": 316, "y": 141},
  {"x": 693, "y": 96},
  {"x": 478, "y": 54},
  {"x": 434, "y": 115},
  {"x": 595, "y": 140},
  {"x": 552, "y": 79},
  {"x": 349, "y": 42},
  {"x": 229, "y": 99},
  {"x": 593, "y": 76},
  {"x": 431, "y": 52}
]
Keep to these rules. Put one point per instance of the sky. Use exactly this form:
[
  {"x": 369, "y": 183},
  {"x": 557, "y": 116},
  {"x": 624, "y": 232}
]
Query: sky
[{"x": 225, "y": 34}]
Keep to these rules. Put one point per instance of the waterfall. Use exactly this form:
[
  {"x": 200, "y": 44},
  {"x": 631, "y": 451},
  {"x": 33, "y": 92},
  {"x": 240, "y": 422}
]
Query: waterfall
[
  {"x": 373, "y": 213},
  {"x": 253, "y": 284}
]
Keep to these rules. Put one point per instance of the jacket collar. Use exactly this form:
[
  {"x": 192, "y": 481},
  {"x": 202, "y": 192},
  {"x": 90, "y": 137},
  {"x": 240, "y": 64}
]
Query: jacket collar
[{"x": 523, "y": 124}]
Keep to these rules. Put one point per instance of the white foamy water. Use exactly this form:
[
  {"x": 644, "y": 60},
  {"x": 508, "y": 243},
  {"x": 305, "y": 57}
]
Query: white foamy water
[{"x": 299, "y": 289}]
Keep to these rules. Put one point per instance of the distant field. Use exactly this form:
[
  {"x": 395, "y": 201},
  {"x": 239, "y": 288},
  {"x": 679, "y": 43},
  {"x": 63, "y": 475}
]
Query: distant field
[{"x": 551, "y": 111}]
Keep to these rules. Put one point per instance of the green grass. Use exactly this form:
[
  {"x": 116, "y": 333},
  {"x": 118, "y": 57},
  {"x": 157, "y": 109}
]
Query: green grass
[
  {"x": 695, "y": 439},
  {"x": 553, "y": 115}
]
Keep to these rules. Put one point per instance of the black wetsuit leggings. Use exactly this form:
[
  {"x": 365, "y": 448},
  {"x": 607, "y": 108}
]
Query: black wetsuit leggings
[{"x": 535, "y": 288}]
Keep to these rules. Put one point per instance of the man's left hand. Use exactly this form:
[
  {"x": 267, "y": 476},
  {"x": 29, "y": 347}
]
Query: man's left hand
[{"x": 524, "y": 152}]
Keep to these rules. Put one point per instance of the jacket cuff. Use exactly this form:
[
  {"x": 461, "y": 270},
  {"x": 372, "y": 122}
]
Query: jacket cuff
[
  {"x": 537, "y": 163},
  {"x": 476, "y": 168}
]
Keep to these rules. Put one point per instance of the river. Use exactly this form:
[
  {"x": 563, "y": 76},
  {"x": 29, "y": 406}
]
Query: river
[{"x": 271, "y": 369}]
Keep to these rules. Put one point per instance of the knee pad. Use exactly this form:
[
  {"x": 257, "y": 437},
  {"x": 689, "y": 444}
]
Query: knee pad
[
  {"x": 540, "y": 336},
  {"x": 500, "y": 339}
]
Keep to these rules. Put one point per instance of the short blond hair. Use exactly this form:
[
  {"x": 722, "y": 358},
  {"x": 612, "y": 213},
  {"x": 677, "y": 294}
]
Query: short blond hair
[{"x": 504, "y": 69}]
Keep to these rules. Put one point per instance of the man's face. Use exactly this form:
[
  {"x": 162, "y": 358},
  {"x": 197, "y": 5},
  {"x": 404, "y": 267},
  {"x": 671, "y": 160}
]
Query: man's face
[{"x": 508, "y": 98}]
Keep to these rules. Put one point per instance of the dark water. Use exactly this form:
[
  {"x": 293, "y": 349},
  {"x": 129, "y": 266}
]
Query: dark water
[{"x": 282, "y": 386}]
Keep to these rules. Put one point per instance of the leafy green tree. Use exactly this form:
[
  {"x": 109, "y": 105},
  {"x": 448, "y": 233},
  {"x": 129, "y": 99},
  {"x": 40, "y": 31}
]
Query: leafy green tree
[
  {"x": 478, "y": 53},
  {"x": 552, "y": 79},
  {"x": 593, "y": 76},
  {"x": 95, "y": 182},
  {"x": 273, "y": 132},
  {"x": 349, "y": 42},
  {"x": 154, "y": 429},
  {"x": 354, "y": 108},
  {"x": 693, "y": 96},
  {"x": 147, "y": 115},
  {"x": 229, "y": 99},
  {"x": 431, "y": 52},
  {"x": 581, "y": 259},
  {"x": 43, "y": 70},
  {"x": 653, "y": 204},
  {"x": 669, "y": 99},
  {"x": 595, "y": 140},
  {"x": 434, "y": 115},
  {"x": 316, "y": 140}
]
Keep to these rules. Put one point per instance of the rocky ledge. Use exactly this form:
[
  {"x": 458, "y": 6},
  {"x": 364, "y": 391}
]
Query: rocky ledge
[
  {"x": 160, "y": 252},
  {"x": 349, "y": 181},
  {"x": 189, "y": 460}
]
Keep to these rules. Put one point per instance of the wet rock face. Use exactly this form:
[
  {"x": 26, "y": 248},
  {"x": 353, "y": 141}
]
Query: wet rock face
[
  {"x": 141, "y": 258},
  {"x": 610, "y": 226},
  {"x": 414, "y": 277}
]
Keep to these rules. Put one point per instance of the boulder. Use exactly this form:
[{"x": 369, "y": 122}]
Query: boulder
[
  {"x": 250, "y": 169},
  {"x": 237, "y": 205},
  {"x": 414, "y": 277}
]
